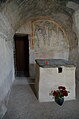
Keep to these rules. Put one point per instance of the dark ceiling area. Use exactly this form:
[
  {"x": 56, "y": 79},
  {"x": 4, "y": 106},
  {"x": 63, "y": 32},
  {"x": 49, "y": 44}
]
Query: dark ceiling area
[{"x": 18, "y": 11}]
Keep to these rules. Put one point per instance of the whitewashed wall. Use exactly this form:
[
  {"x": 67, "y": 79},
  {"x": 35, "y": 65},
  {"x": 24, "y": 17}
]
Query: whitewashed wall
[{"x": 6, "y": 61}]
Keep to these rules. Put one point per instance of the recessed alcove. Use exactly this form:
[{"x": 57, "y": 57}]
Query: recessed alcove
[
  {"x": 59, "y": 69},
  {"x": 48, "y": 40}
]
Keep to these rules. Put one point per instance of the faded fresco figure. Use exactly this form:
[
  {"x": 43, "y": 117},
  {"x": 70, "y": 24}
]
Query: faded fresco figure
[{"x": 49, "y": 40}]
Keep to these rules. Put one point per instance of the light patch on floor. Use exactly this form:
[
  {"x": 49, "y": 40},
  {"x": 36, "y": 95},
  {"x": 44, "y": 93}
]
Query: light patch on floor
[{"x": 23, "y": 81}]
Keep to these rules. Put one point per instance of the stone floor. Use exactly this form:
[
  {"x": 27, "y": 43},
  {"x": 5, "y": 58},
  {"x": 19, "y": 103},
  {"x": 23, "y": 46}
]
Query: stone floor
[{"x": 23, "y": 104}]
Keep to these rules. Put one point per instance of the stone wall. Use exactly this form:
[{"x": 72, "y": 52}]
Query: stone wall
[
  {"x": 6, "y": 61},
  {"x": 76, "y": 28}
]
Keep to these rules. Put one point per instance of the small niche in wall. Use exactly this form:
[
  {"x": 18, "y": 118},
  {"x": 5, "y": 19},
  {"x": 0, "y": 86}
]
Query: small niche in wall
[{"x": 59, "y": 69}]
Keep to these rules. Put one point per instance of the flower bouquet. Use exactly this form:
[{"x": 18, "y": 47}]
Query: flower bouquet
[{"x": 59, "y": 94}]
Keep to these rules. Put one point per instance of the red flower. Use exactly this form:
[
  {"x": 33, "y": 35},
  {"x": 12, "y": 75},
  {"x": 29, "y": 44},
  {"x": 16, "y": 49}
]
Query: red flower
[
  {"x": 55, "y": 93},
  {"x": 64, "y": 93},
  {"x": 46, "y": 62},
  {"x": 61, "y": 88}
]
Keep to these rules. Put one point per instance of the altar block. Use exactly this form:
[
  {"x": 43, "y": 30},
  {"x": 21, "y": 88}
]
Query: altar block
[{"x": 52, "y": 73}]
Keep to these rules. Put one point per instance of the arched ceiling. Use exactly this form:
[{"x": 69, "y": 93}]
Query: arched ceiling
[{"x": 18, "y": 11}]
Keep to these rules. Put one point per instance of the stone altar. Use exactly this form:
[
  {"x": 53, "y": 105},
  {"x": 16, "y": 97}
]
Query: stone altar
[{"x": 50, "y": 75}]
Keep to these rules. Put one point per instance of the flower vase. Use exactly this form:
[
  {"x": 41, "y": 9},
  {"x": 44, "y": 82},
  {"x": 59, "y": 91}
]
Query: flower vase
[{"x": 59, "y": 100}]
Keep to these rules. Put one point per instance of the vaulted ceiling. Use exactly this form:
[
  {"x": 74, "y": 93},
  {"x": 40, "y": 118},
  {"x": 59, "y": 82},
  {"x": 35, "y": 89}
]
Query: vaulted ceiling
[{"x": 18, "y": 11}]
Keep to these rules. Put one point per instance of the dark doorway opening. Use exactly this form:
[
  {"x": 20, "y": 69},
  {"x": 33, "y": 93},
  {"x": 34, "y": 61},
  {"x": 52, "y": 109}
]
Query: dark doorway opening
[{"x": 21, "y": 55}]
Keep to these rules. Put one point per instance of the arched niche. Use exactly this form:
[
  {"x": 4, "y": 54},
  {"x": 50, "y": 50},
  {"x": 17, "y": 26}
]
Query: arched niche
[{"x": 49, "y": 40}]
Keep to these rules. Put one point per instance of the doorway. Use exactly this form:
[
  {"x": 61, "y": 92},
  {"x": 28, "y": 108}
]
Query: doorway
[{"x": 21, "y": 55}]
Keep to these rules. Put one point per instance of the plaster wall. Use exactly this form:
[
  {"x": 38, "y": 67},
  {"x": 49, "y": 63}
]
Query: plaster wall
[
  {"x": 76, "y": 23},
  {"x": 76, "y": 28},
  {"x": 6, "y": 62}
]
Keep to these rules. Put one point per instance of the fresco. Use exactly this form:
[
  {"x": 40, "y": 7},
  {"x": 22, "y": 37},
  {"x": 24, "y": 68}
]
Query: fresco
[{"x": 48, "y": 39}]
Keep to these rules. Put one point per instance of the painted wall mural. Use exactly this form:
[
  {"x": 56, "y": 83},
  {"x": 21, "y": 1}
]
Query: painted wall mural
[{"x": 49, "y": 40}]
